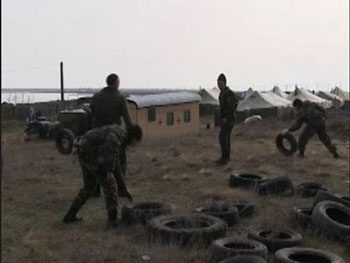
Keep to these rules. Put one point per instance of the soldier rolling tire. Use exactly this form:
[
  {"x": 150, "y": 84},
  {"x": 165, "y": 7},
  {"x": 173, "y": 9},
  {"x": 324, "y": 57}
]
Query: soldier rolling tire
[
  {"x": 291, "y": 140},
  {"x": 64, "y": 141}
]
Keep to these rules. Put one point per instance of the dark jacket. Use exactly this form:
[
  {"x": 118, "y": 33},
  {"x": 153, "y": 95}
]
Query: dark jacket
[
  {"x": 107, "y": 107},
  {"x": 310, "y": 113},
  {"x": 228, "y": 104}
]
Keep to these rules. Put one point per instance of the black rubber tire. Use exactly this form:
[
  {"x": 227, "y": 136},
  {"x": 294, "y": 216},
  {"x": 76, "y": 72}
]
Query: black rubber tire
[
  {"x": 307, "y": 190},
  {"x": 245, "y": 208},
  {"x": 323, "y": 196},
  {"x": 292, "y": 141},
  {"x": 246, "y": 179},
  {"x": 275, "y": 186},
  {"x": 186, "y": 229},
  {"x": 302, "y": 254},
  {"x": 302, "y": 216},
  {"x": 244, "y": 259},
  {"x": 230, "y": 216},
  {"x": 275, "y": 239},
  {"x": 141, "y": 212},
  {"x": 230, "y": 246},
  {"x": 332, "y": 218},
  {"x": 64, "y": 141}
]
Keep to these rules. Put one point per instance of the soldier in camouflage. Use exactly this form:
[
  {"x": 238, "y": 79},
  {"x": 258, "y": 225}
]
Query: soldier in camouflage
[
  {"x": 99, "y": 157},
  {"x": 314, "y": 116}
]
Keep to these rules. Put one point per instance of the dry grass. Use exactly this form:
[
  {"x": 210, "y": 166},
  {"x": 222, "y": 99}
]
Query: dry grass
[{"x": 38, "y": 185}]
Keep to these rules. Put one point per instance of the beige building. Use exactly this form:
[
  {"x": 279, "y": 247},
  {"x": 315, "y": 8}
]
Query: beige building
[{"x": 166, "y": 114}]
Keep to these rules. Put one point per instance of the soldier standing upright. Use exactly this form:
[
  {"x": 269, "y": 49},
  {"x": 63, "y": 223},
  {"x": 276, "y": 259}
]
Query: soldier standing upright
[
  {"x": 99, "y": 157},
  {"x": 314, "y": 116},
  {"x": 228, "y": 105}
]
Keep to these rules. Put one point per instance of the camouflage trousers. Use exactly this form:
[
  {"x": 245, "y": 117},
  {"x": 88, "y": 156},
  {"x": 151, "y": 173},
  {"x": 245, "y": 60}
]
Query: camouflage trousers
[
  {"x": 91, "y": 175},
  {"x": 225, "y": 139},
  {"x": 310, "y": 131}
]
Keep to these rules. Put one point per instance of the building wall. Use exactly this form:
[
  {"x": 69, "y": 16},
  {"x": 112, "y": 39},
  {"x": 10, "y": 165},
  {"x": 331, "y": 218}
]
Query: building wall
[{"x": 159, "y": 127}]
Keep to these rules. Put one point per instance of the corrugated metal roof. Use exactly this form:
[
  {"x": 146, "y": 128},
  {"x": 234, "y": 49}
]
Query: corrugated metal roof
[{"x": 163, "y": 99}]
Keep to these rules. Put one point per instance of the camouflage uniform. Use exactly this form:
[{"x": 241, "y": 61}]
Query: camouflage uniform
[
  {"x": 228, "y": 105},
  {"x": 98, "y": 153},
  {"x": 314, "y": 116}
]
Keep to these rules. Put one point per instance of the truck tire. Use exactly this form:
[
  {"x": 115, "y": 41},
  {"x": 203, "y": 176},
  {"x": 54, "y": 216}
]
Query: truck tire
[{"x": 64, "y": 141}]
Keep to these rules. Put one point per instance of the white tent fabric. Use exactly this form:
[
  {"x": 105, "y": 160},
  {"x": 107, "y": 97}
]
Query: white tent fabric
[
  {"x": 341, "y": 93},
  {"x": 276, "y": 90},
  {"x": 259, "y": 100},
  {"x": 304, "y": 95},
  {"x": 337, "y": 101}
]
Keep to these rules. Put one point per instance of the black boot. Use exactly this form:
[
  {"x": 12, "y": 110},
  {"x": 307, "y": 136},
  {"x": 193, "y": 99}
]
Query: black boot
[
  {"x": 112, "y": 219},
  {"x": 71, "y": 216}
]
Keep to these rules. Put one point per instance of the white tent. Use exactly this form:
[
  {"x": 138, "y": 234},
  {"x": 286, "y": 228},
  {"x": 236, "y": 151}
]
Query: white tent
[
  {"x": 304, "y": 95},
  {"x": 337, "y": 101},
  {"x": 259, "y": 100},
  {"x": 341, "y": 93},
  {"x": 276, "y": 90}
]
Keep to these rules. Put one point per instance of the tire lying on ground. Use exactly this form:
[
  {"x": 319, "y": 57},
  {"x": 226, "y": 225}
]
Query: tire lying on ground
[
  {"x": 245, "y": 208},
  {"x": 229, "y": 247},
  {"x": 332, "y": 218},
  {"x": 229, "y": 214},
  {"x": 186, "y": 229},
  {"x": 244, "y": 259},
  {"x": 302, "y": 216},
  {"x": 275, "y": 186},
  {"x": 143, "y": 211},
  {"x": 323, "y": 195},
  {"x": 64, "y": 141},
  {"x": 246, "y": 179},
  {"x": 291, "y": 140},
  {"x": 275, "y": 239},
  {"x": 310, "y": 189},
  {"x": 302, "y": 255}
]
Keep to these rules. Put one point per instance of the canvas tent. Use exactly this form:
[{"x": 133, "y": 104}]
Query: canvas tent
[
  {"x": 305, "y": 95},
  {"x": 341, "y": 93},
  {"x": 263, "y": 104},
  {"x": 336, "y": 100},
  {"x": 276, "y": 90}
]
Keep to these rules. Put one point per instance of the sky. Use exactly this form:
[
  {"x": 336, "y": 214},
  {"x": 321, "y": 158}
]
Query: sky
[{"x": 172, "y": 44}]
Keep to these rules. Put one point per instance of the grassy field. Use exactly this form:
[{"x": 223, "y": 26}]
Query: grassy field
[{"x": 38, "y": 185}]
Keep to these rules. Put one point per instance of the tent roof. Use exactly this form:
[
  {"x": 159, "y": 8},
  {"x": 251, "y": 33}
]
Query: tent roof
[
  {"x": 304, "y": 95},
  {"x": 259, "y": 100},
  {"x": 277, "y": 90},
  {"x": 163, "y": 99},
  {"x": 329, "y": 96},
  {"x": 341, "y": 93}
]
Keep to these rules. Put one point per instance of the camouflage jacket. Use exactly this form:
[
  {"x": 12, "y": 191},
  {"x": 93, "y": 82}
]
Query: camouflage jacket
[
  {"x": 228, "y": 104},
  {"x": 310, "y": 113},
  {"x": 100, "y": 146}
]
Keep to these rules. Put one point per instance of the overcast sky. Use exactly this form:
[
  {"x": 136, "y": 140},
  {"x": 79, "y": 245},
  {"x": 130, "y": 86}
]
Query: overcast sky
[{"x": 175, "y": 44}]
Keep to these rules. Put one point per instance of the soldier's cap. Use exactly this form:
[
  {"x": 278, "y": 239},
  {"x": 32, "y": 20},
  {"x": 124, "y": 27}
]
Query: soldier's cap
[
  {"x": 222, "y": 77},
  {"x": 297, "y": 103}
]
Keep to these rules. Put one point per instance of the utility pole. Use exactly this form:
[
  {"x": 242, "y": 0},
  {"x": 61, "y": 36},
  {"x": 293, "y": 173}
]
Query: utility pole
[{"x": 62, "y": 89}]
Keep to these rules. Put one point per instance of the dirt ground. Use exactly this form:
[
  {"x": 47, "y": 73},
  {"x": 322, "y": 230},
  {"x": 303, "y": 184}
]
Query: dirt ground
[{"x": 39, "y": 184}]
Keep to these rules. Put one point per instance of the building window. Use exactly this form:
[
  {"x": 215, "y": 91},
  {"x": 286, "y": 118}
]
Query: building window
[
  {"x": 151, "y": 114},
  {"x": 170, "y": 118},
  {"x": 187, "y": 116}
]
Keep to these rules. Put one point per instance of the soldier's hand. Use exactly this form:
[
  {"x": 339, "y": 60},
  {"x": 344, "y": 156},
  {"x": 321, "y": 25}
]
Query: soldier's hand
[{"x": 110, "y": 178}]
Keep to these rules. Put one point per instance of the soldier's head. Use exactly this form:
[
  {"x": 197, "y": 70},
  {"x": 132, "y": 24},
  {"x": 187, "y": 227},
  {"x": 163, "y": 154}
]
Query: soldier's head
[
  {"x": 113, "y": 80},
  {"x": 297, "y": 103},
  {"x": 134, "y": 134},
  {"x": 221, "y": 81}
]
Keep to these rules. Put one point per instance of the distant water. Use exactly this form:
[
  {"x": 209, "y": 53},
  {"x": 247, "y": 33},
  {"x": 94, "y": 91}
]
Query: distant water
[{"x": 28, "y": 97}]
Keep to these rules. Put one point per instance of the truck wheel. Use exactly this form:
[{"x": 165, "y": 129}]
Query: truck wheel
[{"x": 64, "y": 141}]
